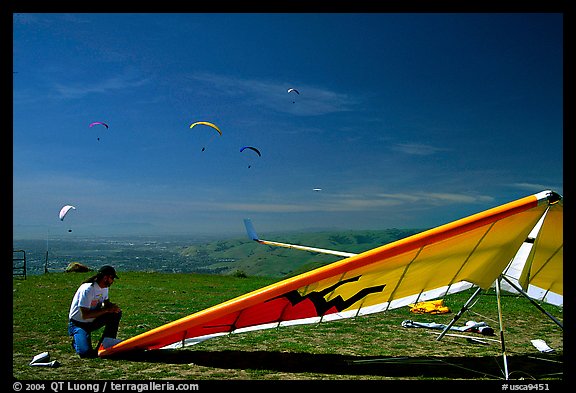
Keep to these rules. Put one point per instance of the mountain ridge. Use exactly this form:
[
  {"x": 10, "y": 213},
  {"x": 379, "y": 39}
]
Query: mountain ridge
[{"x": 244, "y": 256}]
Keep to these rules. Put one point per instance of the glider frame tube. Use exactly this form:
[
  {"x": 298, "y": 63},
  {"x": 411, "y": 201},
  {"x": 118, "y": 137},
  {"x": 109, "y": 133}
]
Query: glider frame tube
[{"x": 516, "y": 287}]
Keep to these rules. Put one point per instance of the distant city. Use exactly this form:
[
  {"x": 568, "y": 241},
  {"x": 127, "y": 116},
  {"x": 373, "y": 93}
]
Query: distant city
[{"x": 134, "y": 254}]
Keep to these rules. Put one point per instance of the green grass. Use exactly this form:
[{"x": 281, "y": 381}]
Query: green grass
[{"x": 374, "y": 347}]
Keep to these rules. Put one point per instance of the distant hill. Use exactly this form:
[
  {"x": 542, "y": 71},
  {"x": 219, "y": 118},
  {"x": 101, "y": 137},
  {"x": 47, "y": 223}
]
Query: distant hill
[{"x": 237, "y": 256}]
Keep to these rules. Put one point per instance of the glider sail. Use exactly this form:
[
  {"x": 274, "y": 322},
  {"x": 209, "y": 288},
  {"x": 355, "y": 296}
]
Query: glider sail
[
  {"x": 206, "y": 123},
  {"x": 450, "y": 258},
  {"x": 64, "y": 211},
  {"x": 98, "y": 123},
  {"x": 255, "y": 150},
  {"x": 537, "y": 268}
]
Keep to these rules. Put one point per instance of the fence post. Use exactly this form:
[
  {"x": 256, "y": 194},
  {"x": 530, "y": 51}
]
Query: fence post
[{"x": 19, "y": 270}]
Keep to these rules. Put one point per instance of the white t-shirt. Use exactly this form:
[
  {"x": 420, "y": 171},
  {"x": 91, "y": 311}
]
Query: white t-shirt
[{"x": 88, "y": 295}]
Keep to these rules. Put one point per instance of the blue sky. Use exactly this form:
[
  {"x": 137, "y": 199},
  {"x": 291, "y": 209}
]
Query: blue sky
[{"x": 403, "y": 120}]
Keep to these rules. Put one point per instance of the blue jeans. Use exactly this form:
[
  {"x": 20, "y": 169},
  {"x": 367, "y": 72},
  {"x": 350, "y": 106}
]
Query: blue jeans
[{"x": 81, "y": 332}]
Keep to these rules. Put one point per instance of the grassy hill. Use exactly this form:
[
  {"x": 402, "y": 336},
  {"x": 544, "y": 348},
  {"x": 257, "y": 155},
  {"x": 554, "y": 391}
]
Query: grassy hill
[
  {"x": 369, "y": 348},
  {"x": 253, "y": 259}
]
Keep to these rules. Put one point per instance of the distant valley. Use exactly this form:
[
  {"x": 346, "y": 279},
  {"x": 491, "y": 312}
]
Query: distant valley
[{"x": 239, "y": 256}]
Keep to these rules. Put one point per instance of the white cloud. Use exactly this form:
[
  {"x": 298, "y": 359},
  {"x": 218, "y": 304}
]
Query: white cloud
[
  {"x": 312, "y": 101},
  {"x": 417, "y": 149},
  {"x": 352, "y": 203},
  {"x": 535, "y": 187},
  {"x": 77, "y": 90}
]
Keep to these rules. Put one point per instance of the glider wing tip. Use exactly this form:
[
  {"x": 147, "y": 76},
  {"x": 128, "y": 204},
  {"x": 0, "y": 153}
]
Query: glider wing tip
[
  {"x": 554, "y": 197},
  {"x": 250, "y": 229}
]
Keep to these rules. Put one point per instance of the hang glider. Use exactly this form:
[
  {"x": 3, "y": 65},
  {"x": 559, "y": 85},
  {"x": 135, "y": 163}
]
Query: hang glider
[
  {"x": 472, "y": 251},
  {"x": 537, "y": 268}
]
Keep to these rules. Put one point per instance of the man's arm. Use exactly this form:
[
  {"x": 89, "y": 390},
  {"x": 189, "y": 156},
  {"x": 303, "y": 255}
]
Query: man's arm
[{"x": 108, "y": 307}]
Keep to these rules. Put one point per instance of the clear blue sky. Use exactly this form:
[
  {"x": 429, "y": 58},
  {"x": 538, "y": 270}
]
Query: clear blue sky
[{"x": 403, "y": 120}]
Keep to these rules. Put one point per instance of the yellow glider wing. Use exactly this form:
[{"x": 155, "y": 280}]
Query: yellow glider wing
[{"x": 450, "y": 258}]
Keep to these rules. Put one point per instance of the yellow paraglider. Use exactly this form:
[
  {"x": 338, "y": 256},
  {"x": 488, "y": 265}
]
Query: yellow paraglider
[{"x": 205, "y": 123}]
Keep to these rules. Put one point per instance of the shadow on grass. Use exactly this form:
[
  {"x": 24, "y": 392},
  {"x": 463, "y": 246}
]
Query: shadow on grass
[{"x": 457, "y": 367}]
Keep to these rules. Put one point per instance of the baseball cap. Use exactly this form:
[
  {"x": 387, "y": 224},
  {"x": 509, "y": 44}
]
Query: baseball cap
[{"x": 108, "y": 270}]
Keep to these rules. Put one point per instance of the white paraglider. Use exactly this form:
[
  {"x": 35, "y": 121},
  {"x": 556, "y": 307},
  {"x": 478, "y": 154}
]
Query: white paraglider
[
  {"x": 291, "y": 90},
  {"x": 64, "y": 212}
]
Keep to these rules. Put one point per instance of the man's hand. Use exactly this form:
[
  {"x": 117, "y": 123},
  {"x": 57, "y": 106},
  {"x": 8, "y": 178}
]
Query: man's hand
[{"x": 111, "y": 307}]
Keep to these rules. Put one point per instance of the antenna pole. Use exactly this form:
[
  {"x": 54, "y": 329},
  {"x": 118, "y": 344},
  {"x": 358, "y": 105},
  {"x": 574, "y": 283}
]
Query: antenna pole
[{"x": 504, "y": 358}]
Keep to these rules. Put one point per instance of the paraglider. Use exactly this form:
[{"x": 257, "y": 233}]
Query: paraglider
[
  {"x": 64, "y": 211},
  {"x": 255, "y": 150},
  {"x": 98, "y": 123},
  {"x": 209, "y": 125},
  {"x": 291, "y": 90},
  {"x": 251, "y": 148}
]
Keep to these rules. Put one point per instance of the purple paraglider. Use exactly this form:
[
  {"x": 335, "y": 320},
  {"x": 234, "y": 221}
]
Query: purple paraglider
[{"x": 98, "y": 123}]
